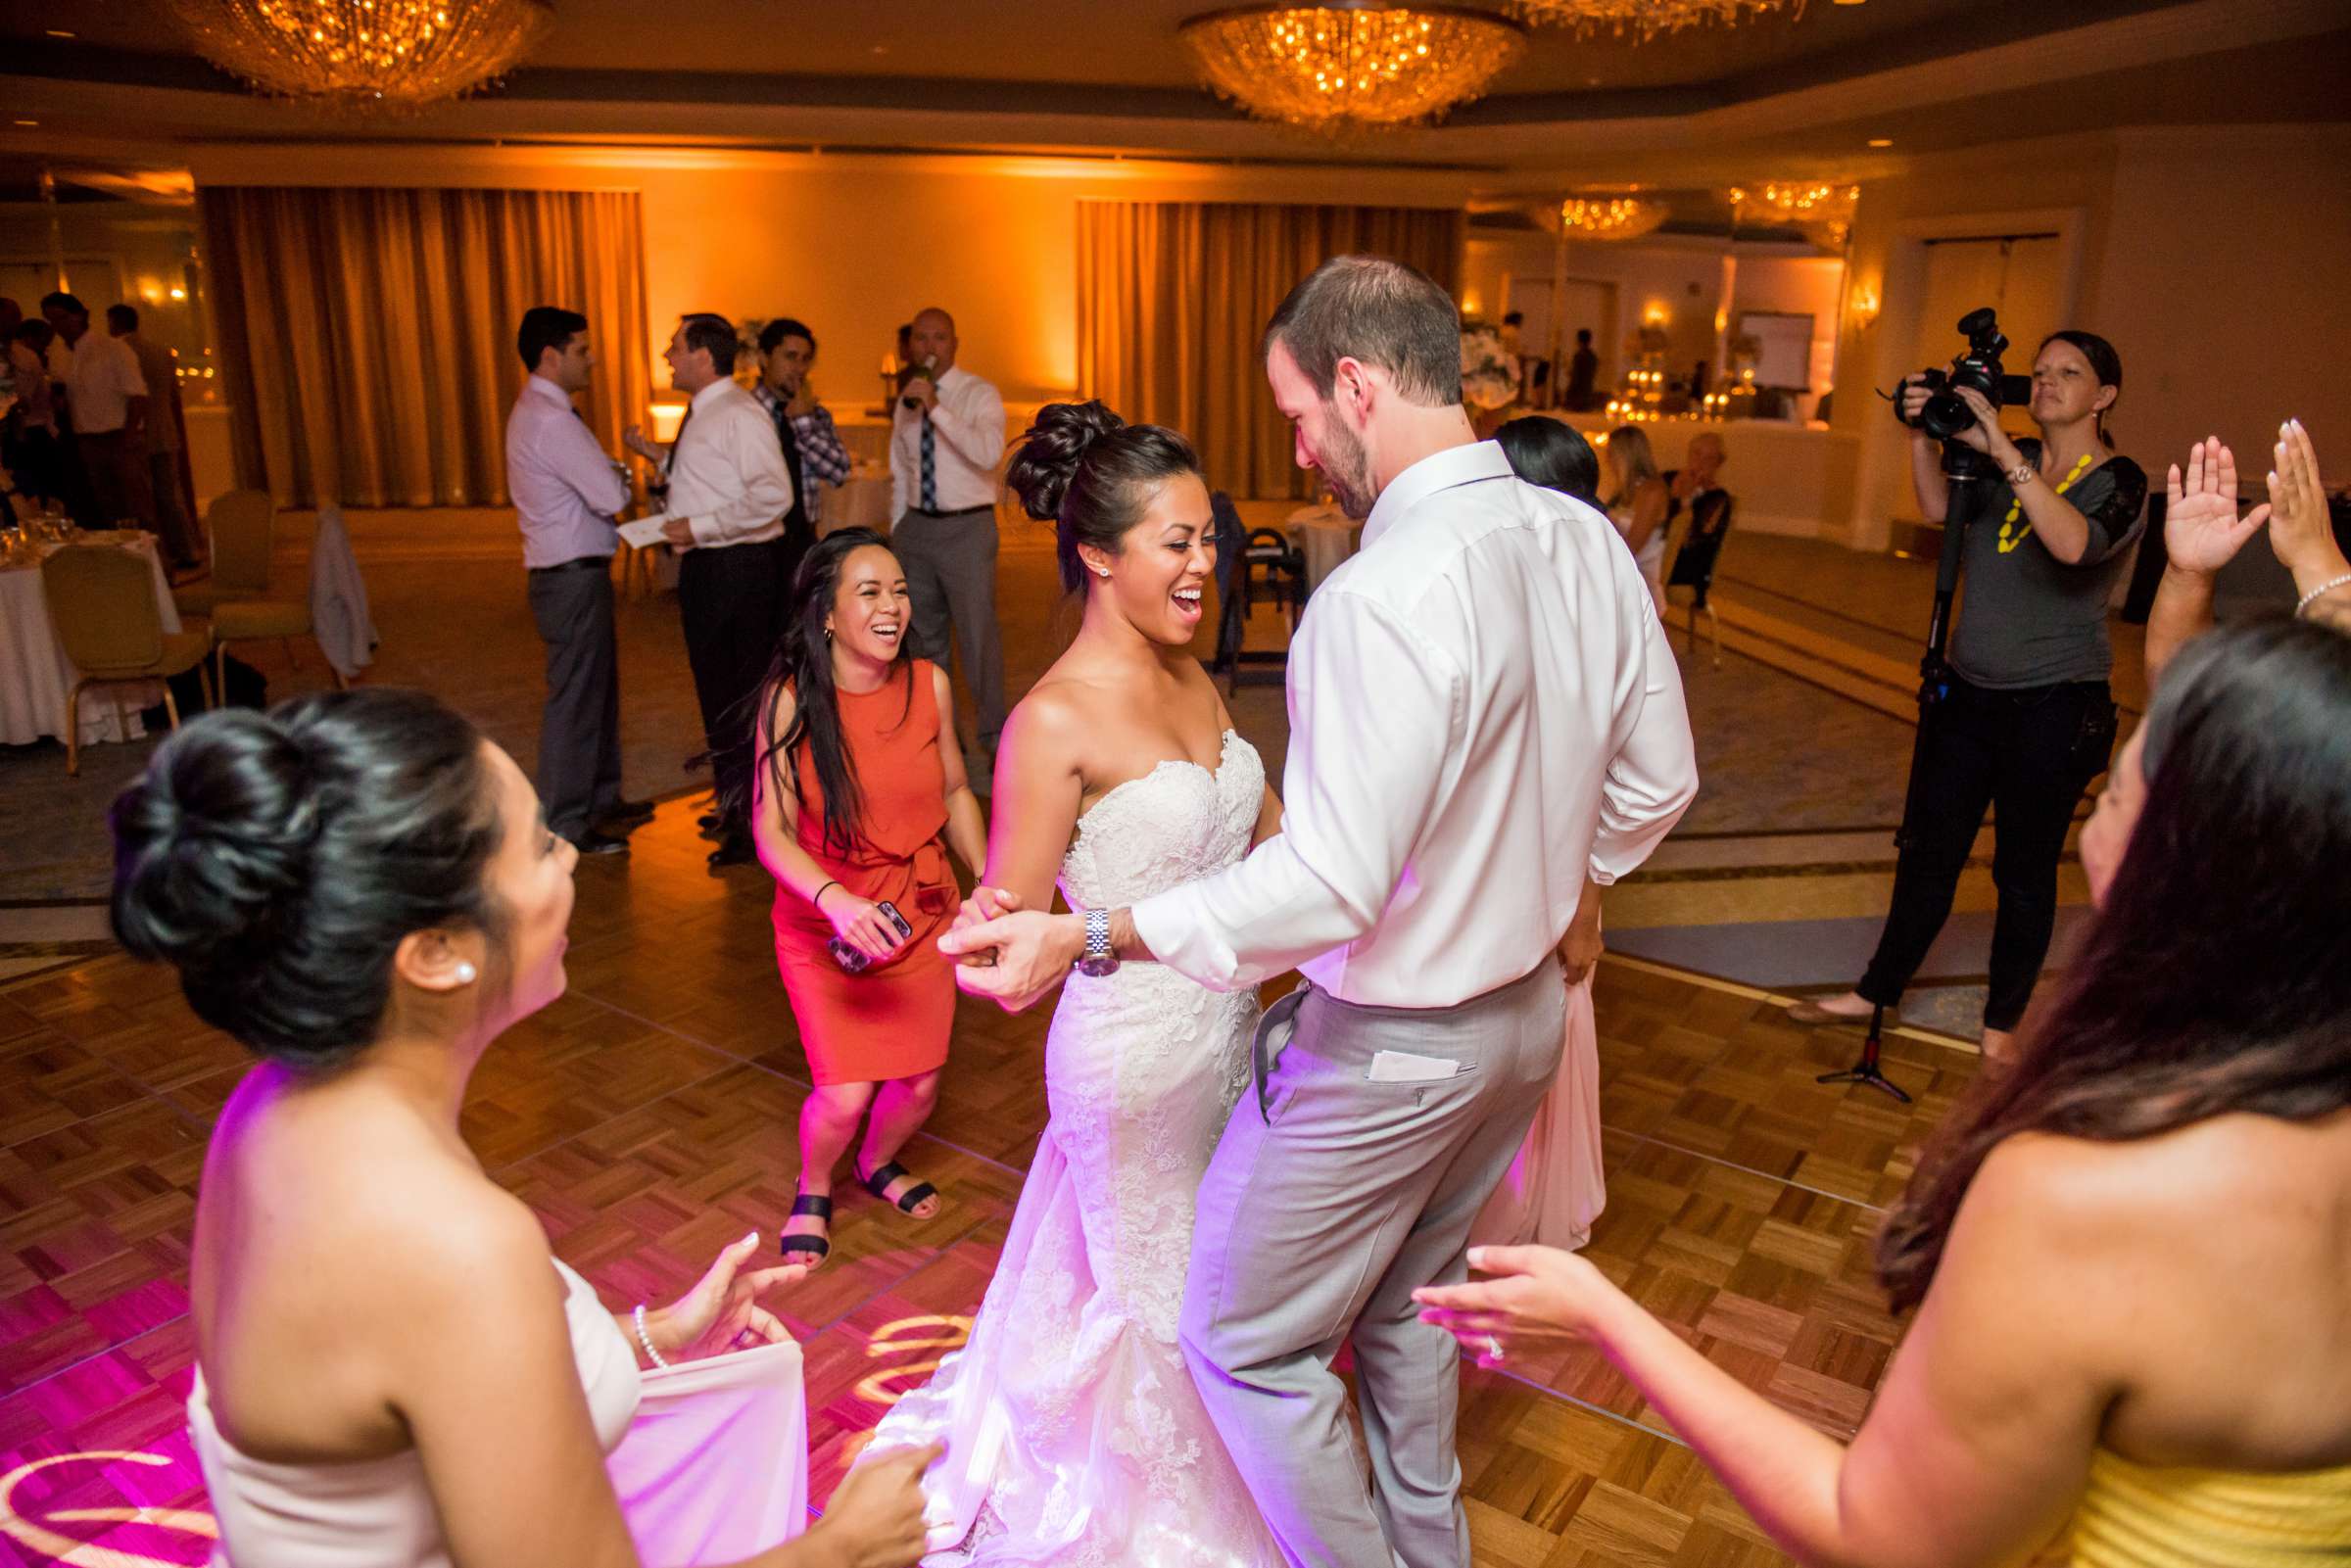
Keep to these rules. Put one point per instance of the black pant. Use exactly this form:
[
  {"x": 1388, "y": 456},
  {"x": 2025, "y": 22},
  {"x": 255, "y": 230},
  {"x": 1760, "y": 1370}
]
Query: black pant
[
  {"x": 2029, "y": 754},
  {"x": 116, "y": 464},
  {"x": 731, "y": 600},
  {"x": 36, "y": 462},
  {"x": 579, "y": 732}
]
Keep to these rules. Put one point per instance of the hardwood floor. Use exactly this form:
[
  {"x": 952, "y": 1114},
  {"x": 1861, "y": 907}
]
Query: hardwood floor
[{"x": 647, "y": 1117}]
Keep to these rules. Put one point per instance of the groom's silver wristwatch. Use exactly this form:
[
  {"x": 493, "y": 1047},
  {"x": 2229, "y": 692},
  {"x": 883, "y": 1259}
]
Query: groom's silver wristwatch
[{"x": 1098, "y": 959}]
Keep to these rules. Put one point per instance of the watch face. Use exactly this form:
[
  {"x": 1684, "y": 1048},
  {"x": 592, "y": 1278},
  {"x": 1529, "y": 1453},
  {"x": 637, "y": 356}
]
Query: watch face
[{"x": 1095, "y": 968}]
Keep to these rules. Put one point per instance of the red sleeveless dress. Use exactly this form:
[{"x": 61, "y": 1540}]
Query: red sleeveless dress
[{"x": 893, "y": 1020}]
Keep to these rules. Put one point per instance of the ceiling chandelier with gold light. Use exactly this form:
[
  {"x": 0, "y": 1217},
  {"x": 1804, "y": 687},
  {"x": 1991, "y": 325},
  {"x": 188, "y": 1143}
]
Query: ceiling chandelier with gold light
[
  {"x": 1605, "y": 217},
  {"x": 364, "y": 54},
  {"x": 1824, "y": 205},
  {"x": 1646, "y": 19},
  {"x": 1346, "y": 65}
]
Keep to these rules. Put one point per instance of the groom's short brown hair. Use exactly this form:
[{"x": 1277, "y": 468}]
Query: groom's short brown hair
[{"x": 1382, "y": 312}]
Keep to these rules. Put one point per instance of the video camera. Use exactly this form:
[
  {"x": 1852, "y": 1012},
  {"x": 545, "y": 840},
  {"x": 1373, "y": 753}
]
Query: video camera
[{"x": 1944, "y": 414}]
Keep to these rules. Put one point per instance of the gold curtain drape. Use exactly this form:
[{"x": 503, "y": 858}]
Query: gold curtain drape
[
  {"x": 366, "y": 336},
  {"x": 1172, "y": 298}
]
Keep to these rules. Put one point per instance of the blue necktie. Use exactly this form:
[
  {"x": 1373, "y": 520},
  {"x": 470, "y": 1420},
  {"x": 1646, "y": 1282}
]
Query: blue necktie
[{"x": 929, "y": 501}]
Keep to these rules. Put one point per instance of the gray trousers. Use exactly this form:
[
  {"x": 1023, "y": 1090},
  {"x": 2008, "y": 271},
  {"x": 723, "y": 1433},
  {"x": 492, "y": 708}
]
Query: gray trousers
[
  {"x": 950, "y": 563},
  {"x": 1331, "y": 1197},
  {"x": 579, "y": 732}
]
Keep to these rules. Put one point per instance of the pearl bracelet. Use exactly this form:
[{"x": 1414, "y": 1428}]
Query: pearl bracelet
[
  {"x": 647, "y": 1340},
  {"x": 2328, "y": 587}
]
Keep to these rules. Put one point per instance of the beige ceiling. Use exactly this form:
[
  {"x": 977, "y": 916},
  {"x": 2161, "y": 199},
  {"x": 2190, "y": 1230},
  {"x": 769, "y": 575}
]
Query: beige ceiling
[{"x": 1108, "y": 77}]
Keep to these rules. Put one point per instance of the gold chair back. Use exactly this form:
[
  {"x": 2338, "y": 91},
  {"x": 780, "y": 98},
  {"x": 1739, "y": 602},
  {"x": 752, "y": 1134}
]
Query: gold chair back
[
  {"x": 101, "y": 602},
  {"x": 241, "y": 523}
]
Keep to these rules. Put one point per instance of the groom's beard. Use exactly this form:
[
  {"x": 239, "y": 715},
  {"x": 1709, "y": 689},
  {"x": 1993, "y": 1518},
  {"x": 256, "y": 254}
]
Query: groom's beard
[{"x": 1346, "y": 470}]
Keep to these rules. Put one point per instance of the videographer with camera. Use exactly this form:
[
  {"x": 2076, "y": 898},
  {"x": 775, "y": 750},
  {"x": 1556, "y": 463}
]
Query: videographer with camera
[{"x": 2026, "y": 719}]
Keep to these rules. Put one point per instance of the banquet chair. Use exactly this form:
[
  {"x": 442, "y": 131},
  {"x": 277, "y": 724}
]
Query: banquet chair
[
  {"x": 1711, "y": 514},
  {"x": 239, "y": 524},
  {"x": 240, "y": 603},
  {"x": 101, "y": 602},
  {"x": 1231, "y": 659}
]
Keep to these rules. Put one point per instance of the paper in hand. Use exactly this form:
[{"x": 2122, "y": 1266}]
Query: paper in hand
[{"x": 644, "y": 532}]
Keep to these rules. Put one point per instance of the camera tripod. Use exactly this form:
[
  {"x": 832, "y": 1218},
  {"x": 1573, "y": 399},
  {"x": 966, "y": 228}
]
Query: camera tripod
[{"x": 1965, "y": 472}]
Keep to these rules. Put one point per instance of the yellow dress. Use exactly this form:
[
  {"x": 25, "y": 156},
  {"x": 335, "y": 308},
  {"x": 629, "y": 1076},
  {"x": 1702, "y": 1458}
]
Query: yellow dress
[{"x": 2141, "y": 1516}]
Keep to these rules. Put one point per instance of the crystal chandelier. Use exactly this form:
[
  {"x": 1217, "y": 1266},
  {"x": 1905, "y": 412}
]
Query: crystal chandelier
[
  {"x": 363, "y": 53},
  {"x": 1646, "y": 19},
  {"x": 1349, "y": 63},
  {"x": 1605, "y": 218},
  {"x": 1825, "y": 205}
]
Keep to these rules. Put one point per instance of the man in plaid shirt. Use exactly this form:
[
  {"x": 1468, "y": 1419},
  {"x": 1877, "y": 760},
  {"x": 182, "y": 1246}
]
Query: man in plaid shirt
[{"x": 786, "y": 352}]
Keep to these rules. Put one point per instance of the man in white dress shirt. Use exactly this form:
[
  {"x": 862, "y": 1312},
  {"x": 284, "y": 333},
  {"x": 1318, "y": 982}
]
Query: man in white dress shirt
[
  {"x": 945, "y": 439},
  {"x": 166, "y": 501},
  {"x": 567, "y": 492},
  {"x": 1487, "y": 725},
  {"x": 107, "y": 404},
  {"x": 729, "y": 492}
]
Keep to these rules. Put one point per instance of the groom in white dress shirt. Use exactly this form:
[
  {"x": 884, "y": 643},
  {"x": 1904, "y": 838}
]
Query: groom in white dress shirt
[{"x": 1487, "y": 725}]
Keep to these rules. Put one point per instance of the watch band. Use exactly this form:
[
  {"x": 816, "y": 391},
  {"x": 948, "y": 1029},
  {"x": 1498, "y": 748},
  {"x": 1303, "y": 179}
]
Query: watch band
[{"x": 1098, "y": 958}]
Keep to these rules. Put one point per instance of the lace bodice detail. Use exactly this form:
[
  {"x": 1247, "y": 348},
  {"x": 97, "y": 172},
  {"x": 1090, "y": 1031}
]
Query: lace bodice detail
[
  {"x": 1175, "y": 824},
  {"x": 1082, "y": 1440}
]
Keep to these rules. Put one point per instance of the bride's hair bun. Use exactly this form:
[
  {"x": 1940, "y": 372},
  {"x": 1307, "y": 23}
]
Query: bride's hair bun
[
  {"x": 1047, "y": 460},
  {"x": 276, "y": 860},
  {"x": 1083, "y": 468}
]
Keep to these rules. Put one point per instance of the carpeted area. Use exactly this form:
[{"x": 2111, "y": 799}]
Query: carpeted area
[{"x": 447, "y": 591}]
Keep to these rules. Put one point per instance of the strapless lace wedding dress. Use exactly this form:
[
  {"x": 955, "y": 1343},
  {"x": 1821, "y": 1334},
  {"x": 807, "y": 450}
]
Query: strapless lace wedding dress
[{"x": 1074, "y": 1434}]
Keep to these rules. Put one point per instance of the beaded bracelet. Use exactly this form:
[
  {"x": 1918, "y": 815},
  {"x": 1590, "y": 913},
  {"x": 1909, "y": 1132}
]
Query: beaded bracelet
[
  {"x": 647, "y": 1340},
  {"x": 2328, "y": 587}
]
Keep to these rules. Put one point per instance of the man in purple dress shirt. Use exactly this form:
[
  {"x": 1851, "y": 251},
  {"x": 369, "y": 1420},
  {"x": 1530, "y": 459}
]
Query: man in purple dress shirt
[{"x": 566, "y": 493}]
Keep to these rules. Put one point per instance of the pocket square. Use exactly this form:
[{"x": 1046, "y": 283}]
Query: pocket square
[{"x": 1402, "y": 1066}]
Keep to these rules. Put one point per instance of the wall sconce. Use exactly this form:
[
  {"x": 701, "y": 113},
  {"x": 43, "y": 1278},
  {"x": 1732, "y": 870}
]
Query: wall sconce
[
  {"x": 1864, "y": 306},
  {"x": 1652, "y": 315},
  {"x": 667, "y": 416}
]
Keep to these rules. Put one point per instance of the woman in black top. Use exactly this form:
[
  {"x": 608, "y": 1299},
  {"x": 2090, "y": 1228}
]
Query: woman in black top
[{"x": 2029, "y": 721}]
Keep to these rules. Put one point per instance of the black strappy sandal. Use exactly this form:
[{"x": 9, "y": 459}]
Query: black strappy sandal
[
  {"x": 818, "y": 1248},
  {"x": 908, "y": 1201}
]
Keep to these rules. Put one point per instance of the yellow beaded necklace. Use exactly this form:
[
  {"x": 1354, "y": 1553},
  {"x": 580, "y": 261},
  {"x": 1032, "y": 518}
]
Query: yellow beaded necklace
[{"x": 2008, "y": 540}]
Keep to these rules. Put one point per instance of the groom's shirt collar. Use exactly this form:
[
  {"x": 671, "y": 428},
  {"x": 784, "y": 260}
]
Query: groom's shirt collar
[{"x": 1465, "y": 464}]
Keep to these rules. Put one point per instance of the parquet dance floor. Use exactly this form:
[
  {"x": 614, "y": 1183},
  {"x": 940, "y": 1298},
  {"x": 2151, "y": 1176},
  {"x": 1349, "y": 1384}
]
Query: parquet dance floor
[{"x": 647, "y": 1117}]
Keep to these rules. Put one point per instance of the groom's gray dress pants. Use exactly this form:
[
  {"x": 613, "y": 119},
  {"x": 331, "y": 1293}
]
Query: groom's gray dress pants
[{"x": 1333, "y": 1195}]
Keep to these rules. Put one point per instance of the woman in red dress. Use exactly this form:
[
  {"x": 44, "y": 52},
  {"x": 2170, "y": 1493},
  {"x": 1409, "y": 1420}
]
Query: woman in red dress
[{"x": 858, "y": 794}]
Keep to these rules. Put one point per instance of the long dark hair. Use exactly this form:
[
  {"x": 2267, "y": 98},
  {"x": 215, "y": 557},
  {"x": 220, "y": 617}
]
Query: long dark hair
[
  {"x": 2104, "y": 364},
  {"x": 278, "y": 859},
  {"x": 2217, "y": 977},
  {"x": 803, "y": 664}
]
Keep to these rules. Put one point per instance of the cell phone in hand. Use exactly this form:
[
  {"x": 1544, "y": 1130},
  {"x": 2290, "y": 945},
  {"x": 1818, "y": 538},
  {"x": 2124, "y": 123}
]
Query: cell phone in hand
[{"x": 853, "y": 960}]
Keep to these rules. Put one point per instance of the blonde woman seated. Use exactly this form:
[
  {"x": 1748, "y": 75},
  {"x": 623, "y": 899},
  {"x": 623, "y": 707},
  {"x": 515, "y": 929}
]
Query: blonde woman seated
[{"x": 1639, "y": 504}]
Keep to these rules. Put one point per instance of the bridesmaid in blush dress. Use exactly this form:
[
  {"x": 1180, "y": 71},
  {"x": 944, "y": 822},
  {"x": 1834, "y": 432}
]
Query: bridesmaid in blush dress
[{"x": 858, "y": 794}]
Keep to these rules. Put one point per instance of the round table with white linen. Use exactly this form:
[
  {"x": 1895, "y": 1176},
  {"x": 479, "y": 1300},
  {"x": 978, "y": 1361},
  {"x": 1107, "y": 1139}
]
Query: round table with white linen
[
  {"x": 861, "y": 501},
  {"x": 34, "y": 673},
  {"x": 1326, "y": 536}
]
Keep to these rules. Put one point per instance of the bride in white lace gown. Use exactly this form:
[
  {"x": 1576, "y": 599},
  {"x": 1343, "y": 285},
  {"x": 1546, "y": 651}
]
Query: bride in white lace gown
[{"x": 1074, "y": 1433}]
